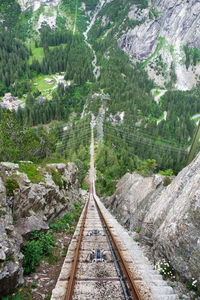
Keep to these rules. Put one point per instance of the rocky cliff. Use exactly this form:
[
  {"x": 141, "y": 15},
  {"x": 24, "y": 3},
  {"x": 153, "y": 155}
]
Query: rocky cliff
[
  {"x": 168, "y": 217},
  {"x": 35, "y": 4},
  {"x": 25, "y": 206},
  {"x": 163, "y": 28}
]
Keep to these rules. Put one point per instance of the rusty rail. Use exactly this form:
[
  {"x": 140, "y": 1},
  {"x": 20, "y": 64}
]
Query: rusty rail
[
  {"x": 70, "y": 286},
  {"x": 135, "y": 294}
]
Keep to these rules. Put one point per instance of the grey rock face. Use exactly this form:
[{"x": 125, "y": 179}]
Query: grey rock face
[
  {"x": 165, "y": 26},
  {"x": 24, "y": 226},
  {"x": 25, "y": 4},
  {"x": 32, "y": 206},
  {"x": 168, "y": 216},
  {"x": 176, "y": 20}
]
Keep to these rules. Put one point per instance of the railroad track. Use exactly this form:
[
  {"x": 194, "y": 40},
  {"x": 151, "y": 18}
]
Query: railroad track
[
  {"x": 103, "y": 262},
  {"x": 99, "y": 270}
]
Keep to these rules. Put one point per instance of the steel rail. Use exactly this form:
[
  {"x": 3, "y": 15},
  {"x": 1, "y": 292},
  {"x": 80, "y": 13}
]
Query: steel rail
[
  {"x": 70, "y": 286},
  {"x": 135, "y": 294}
]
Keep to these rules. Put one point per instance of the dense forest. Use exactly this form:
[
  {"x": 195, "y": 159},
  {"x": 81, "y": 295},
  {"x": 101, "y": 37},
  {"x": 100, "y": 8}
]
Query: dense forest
[
  {"x": 14, "y": 68},
  {"x": 126, "y": 85},
  {"x": 72, "y": 56}
]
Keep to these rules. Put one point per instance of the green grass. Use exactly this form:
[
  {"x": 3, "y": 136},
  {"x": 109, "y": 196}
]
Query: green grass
[
  {"x": 42, "y": 85},
  {"x": 38, "y": 53},
  {"x": 10, "y": 184},
  {"x": 156, "y": 93},
  {"x": 31, "y": 171}
]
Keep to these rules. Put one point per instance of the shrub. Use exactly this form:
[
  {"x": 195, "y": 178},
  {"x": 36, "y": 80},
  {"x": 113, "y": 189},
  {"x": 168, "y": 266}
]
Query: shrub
[
  {"x": 168, "y": 172},
  {"x": 57, "y": 178},
  {"x": 10, "y": 184},
  {"x": 138, "y": 229},
  {"x": 165, "y": 269},
  {"x": 167, "y": 181},
  {"x": 40, "y": 244},
  {"x": 32, "y": 256}
]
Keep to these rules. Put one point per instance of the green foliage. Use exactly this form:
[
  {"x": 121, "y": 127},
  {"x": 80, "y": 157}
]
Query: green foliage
[
  {"x": 75, "y": 147},
  {"x": 167, "y": 181},
  {"x": 31, "y": 170},
  {"x": 75, "y": 58},
  {"x": 34, "y": 284},
  {"x": 39, "y": 244},
  {"x": 57, "y": 178},
  {"x": 19, "y": 296},
  {"x": 32, "y": 256},
  {"x": 168, "y": 172},
  {"x": 52, "y": 258},
  {"x": 112, "y": 162},
  {"x": 10, "y": 11},
  {"x": 11, "y": 184},
  {"x": 153, "y": 13},
  {"x": 141, "y": 3},
  {"x": 19, "y": 142},
  {"x": 147, "y": 167},
  {"x": 14, "y": 69},
  {"x": 191, "y": 286},
  {"x": 165, "y": 269},
  {"x": 67, "y": 221},
  {"x": 84, "y": 186},
  {"x": 192, "y": 56},
  {"x": 138, "y": 229}
]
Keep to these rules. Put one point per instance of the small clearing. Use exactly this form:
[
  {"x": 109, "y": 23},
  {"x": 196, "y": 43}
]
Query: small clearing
[{"x": 157, "y": 94}]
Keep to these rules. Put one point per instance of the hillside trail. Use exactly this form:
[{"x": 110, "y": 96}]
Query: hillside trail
[{"x": 96, "y": 69}]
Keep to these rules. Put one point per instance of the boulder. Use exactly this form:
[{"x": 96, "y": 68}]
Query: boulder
[{"x": 25, "y": 226}]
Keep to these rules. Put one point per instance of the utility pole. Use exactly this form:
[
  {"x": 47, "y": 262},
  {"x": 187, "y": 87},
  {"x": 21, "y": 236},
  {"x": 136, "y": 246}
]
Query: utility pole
[{"x": 193, "y": 145}]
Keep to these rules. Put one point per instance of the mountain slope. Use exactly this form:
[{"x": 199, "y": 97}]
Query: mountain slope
[{"x": 163, "y": 35}]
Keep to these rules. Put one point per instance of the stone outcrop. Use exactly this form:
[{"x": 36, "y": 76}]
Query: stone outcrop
[
  {"x": 35, "y": 4},
  {"x": 30, "y": 206},
  {"x": 168, "y": 217},
  {"x": 174, "y": 20},
  {"x": 164, "y": 27}
]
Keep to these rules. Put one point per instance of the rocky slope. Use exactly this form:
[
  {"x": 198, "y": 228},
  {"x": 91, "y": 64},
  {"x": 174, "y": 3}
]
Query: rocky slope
[
  {"x": 25, "y": 206},
  {"x": 165, "y": 26},
  {"x": 152, "y": 32},
  {"x": 168, "y": 217},
  {"x": 35, "y": 4},
  {"x": 47, "y": 12}
]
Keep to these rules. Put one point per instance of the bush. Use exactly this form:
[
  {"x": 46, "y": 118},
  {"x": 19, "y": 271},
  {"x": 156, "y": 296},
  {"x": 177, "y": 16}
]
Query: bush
[
  {"x": 40, "y": 244},
  {"x": 10, "y": 184},
  {"x": 32, "y": 256},
  {"x": 167, "y": 181},
  {"x": 165, "y": 269},
  {"x": 138, "y": 229},
  {"x": 57, "y": 178}
]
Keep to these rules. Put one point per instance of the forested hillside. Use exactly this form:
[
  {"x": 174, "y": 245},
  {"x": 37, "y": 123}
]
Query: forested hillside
[{"x": 71, "y": 64}]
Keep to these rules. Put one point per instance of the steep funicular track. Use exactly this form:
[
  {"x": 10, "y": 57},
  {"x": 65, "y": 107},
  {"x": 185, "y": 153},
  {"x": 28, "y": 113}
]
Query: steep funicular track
[
  {"x": 103, "y": 262},
  {"x": 99, "y": 269}
]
